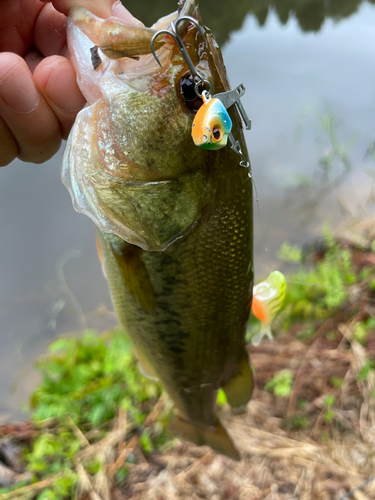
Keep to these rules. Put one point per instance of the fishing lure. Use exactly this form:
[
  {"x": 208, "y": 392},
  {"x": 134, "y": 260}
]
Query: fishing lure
[
  {"x": 268, "y": 297},
  {"x": 212, "y": 124},
  {"x": 205, "y": 126}
]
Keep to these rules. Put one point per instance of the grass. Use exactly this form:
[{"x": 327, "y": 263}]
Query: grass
[{"x": 86, "y": 382}]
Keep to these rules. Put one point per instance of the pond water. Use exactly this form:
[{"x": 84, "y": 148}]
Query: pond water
[{"x": 308, "y": 68}]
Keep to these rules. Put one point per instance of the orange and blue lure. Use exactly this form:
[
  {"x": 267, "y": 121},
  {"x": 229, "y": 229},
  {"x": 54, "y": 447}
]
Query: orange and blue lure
[
  {"x": 268, "y": 297},
  {"x": 212, "y": 124}
]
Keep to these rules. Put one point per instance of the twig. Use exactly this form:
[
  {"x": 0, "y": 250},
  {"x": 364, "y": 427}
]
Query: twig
[
  {"x": 31, "y": 487},
  {"x": 192, "y": 467},
  {"x": 113, "y": 468},
  {"x": 97, "y": 449},
  {"x": 85, "y": 482},
  {"x": 77, "y": 432},
  {"x": 156, "y": 410}
]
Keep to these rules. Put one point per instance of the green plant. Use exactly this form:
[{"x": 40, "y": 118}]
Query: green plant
[
  {"x": 281, "y": 384},
  {"x": 290, "y": 253},
  {"x": 360, "y": 332},
  {"x": 337, "y": 381},
  {"x": 331, "y": 336},
  {"x": 89, "y": 378},
  {"x": 85, "y": 381},
  {"x": 221, "y": 399},
  {"x": 329, "y": 402},
  {"x": 366, "y": 369},
  {"x": 316, "y": 292},
  {"x": 297, "y": 422}
]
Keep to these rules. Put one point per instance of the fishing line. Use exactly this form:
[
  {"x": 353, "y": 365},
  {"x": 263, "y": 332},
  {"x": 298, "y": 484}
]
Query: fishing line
[
  {"x": 350, "y": 493},
  {"x": 261, "y": 224}
]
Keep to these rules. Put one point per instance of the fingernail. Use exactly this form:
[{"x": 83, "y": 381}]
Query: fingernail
[
  {"x": 118, "y": 10},
  {"x": 18, "y": 91}
]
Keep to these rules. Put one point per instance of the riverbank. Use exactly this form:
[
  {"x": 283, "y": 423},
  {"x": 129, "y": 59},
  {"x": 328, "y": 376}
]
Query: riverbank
[{"x": 99, "y": 429}]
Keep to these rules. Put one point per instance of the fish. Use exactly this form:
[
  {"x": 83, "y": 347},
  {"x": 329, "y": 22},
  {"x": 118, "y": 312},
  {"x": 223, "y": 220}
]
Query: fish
[
  {"x": 268, "y": 297},
  {"x": 174, "y": 222},
  {"x": 211, "y": 125}
]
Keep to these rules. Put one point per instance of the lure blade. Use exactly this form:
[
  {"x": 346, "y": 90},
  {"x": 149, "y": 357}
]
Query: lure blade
[{"x": 211, "y": 125}]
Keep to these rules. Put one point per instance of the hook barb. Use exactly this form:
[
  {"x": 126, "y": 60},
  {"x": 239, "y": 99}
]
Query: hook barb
[
  {"x": 166, "y": 32},
  {"x": 176, "y": 37},
  {"x": 192, "y": 21}
]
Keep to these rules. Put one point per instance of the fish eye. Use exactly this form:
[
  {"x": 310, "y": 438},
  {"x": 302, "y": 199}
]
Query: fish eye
[
  {"x": 216, "y": 133},
  {"x": 187, "y": 91}
]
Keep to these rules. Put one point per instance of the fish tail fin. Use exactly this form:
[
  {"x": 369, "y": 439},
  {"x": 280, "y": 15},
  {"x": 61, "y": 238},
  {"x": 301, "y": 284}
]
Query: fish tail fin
[
  {"x": 264, "y": 332},
  {"x": 240, "y": 388},
  {"x": 214, "y": 436}
]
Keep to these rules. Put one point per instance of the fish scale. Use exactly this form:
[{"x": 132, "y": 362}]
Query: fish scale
[{"x": 201, "y": 285}]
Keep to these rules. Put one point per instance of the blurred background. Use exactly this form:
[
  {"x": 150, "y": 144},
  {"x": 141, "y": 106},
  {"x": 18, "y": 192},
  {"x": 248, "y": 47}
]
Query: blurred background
[{"x": 308, "y": 67}]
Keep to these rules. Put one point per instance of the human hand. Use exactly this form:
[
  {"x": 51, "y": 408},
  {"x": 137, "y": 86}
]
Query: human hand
[{"x": 39, "y": 96}]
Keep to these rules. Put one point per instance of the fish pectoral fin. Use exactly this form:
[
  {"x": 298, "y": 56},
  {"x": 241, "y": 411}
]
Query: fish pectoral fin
[
  {"x": 214, "y": 436},
  {"x": 240, "y": 388},
  {"x": 144, "y": 366},
  {"x": 135, "y": 275}
]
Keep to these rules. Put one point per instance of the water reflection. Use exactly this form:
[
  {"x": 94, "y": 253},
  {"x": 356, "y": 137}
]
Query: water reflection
[{"x": 223, "y": 19}]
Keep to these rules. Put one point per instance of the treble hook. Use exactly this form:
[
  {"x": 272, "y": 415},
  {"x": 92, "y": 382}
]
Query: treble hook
[{"x": 176, "y": 37}]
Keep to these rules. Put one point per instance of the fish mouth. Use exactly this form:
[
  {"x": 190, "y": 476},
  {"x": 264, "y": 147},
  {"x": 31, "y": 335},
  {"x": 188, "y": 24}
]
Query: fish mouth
[
  {"x": 112, "y": 46},
  {"x": 129, "y": 149}
]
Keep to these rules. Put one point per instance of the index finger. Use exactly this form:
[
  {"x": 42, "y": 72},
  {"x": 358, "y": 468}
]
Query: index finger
[
  {"x": 100, "y": 8},
  {"x": 50, "y": 32}
]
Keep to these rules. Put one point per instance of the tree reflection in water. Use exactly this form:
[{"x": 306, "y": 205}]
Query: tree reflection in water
[{"x": 223, "y": 19}]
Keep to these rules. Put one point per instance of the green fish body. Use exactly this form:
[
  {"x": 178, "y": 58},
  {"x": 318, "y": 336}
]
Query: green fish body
[{"x": 174, "y": 221}]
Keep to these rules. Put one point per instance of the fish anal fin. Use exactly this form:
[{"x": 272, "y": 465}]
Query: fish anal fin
[
  {"x": 135, "y": 275},
  {"x": 240, "y": 388},
  {"x": 214, "y": 436},
  {"x": 144, "y": 366}
]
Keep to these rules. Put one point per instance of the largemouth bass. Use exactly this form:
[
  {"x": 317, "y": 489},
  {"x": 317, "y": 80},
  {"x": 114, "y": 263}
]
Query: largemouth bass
[{"x": 174, "y": 221}]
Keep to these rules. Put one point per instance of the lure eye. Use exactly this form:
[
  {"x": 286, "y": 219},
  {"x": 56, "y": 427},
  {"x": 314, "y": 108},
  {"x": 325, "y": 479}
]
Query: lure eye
[{"x": 216, "y": 133}]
